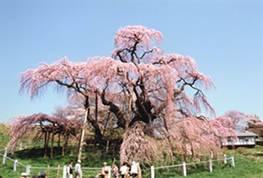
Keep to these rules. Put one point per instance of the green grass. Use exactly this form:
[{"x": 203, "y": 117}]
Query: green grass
[
  {"x": 34, "y": 157},
  {"x": 4, "y": 138},
  {"x": 245, "y": 168},
  {"x": 249, "y": 163}
]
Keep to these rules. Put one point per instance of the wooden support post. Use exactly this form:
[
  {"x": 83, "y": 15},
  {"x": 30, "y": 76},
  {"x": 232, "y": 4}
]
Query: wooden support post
[
  {"x": 152, "y": 172},
  {"x": 211, "y": 155},
  {"x": 184, "y": 169},
  {"x": 225, "y": 159},
  {"x": 58, "y": 171},
  {"x": 210, "y": 165},
  {"x": 5, "y": 155},
  {"x": 232, "y": 161},
  {"x": 28, "y": 167},
  {"x": 82, "y": 136},
  {"x": 64, "y": 172},
  {"x": 48, "y": 169},
  {"x": 109, "y": 172},
  {"x": 14, "y": 166},
  {"x": 107, "y": 146},
  {"x": 21, "y": 146}
]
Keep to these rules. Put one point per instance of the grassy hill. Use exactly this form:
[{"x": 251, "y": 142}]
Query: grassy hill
[
  {"x": 249, "y": 163},
  {"x": 4, "y": 138}
]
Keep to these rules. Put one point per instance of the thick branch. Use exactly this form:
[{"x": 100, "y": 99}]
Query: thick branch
[{"x": 114, "y": 109}]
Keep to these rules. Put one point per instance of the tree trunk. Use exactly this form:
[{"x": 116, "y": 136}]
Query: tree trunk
[
  {"x": 48, "y": 139},
  {"x": 114, "y": 109},
  {"x": 96, "y": 106},
  {"x": 98, "y": 134},
  {"x": 63, "y": 147},
  {"x": 47, "y": 135},
  {"x": 52, "y": 146},
  {"x": 59, "y": 140},
  {"x": 45, "y": 144}
]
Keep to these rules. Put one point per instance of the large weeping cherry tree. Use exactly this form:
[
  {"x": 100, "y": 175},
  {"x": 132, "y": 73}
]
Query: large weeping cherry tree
[{"x": 154, "y": 96}]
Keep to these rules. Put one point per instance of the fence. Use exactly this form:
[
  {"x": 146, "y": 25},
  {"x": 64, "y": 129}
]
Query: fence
[
  {"x": 52, "y": 172},
  {"x": 154, "y": 172},
  {"x": 11, "y": 163},
  {"x": 185, "y": 168}
]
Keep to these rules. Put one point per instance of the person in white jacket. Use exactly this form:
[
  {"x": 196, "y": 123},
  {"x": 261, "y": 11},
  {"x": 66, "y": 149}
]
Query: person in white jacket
[
  {"x": 124, "y": 170},
  {"x": 78, "y": 170},
  {"x": 134, "y": 169}
]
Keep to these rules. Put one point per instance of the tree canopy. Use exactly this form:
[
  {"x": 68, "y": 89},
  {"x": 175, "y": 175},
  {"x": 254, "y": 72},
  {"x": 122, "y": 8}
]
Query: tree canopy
[{"x": 152, "y": 94}]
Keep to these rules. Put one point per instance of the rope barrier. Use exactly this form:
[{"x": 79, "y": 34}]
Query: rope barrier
[
  {"x": 21, "y": 164},
  {"x": 2, "y": 150},
  {"x": 10, "y": 159},
  {"x": 170, "y": 166},
  {"x": 191, "y": 163},
  {"x": 54, "y": 168},
  {"x": 91, "y": 168}
]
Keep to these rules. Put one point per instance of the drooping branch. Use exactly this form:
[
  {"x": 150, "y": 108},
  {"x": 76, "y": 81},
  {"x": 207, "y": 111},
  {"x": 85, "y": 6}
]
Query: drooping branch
[{"x": 53, "y": 125}]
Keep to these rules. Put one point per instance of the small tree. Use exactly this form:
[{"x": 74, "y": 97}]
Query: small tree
[{"x": 45, "y": 126}]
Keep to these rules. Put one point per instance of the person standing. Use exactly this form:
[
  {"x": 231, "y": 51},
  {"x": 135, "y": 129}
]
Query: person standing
[
  {"x": 115, "y": 170},
  {"x": 124, "y": 170},
  {"x": 24, "y": 175},
  {"x": 105, "y": 171},
  {"x": 70, "y": 169},
  {"x": 42, "y": 174},
  {"x": 78, "y": 170},
  {"x": 134, "y": 170}
]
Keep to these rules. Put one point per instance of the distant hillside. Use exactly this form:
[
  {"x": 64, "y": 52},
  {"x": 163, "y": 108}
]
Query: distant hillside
[{"x": 4, "y": 138}]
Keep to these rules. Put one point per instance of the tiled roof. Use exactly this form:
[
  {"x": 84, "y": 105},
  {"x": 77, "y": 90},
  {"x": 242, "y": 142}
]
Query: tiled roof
[{"x": 246, "y": 133}]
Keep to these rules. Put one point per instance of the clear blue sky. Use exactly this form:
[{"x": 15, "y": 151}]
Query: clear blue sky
[{"x": 225, "y": 38}]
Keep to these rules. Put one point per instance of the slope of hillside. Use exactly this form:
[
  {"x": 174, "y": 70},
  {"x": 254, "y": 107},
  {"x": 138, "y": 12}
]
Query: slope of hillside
[
  {"x": 4, "y": 138},
  {"x": 249, "y": 162}
]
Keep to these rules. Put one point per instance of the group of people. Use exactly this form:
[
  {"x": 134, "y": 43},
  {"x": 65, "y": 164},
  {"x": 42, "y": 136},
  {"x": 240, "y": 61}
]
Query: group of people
[
  {"x": 42, "y": 174},
  {"x": 71, "y": 172},
  {"x": 126, "y": 170},
  {"x": 74, "y": 172}
]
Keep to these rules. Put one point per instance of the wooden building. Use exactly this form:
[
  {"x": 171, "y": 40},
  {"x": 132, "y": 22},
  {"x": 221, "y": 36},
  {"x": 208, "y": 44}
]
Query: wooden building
[{"x": 244, "y": 139}]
